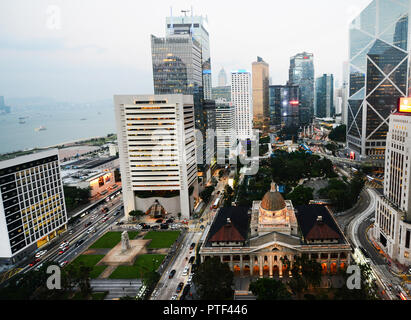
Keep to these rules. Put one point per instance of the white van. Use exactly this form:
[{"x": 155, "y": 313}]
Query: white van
[{"x": 186, "y": 269}]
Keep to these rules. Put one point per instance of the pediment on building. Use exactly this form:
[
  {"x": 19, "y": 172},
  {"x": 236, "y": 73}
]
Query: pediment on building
[{"x": 275, "y": 242}]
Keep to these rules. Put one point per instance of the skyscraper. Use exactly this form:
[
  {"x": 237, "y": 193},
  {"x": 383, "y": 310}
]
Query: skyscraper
[
  {"x": 157, "y": 152},
  {"x": 242, "y": 99},
  {"x": 284, "y": 106},
  {"x": 225, "y": 130},
  {"x": 345, "y": 89},
  {"x": 32, "y": 206},
  {"x": 392, "y": 228},
  {"x": 379, "y": 59},
  {"x": 222, "y": 78},
  {"x": 176, "y": 65},
  {"x": 261, "y": 116},
  {"x": 324, "y": 100},
  {"x": 222, "y": 93},
  {"x": 181, "y": 64},
  {"x": 197, "y": 26},
  {"x": 301, "y": 73}
]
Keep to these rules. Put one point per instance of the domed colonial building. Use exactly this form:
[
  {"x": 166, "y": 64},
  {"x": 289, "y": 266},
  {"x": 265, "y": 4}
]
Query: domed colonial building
[
  {"x": 266, "y": 239},
  {"x": 273, "y": 213}
]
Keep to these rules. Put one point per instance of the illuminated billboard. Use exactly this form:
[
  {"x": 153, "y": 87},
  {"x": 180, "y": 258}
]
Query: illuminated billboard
[{"x": 404, "y": 105}]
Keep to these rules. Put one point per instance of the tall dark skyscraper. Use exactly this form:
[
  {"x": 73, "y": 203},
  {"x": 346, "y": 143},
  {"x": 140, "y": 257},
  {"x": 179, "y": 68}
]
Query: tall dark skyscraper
[
  {"x": 379, "y": 59},
  {"x": 197, "y": 26},
  {"x": 284, "y": 106},
  {"x": 176, "y": 64},
  {"x": 181, "y": 64},
  {"x": 301, "y": 73},
  {"x": 324, "y": 96}
]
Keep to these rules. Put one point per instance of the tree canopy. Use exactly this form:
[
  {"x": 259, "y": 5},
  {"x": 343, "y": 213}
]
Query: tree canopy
[
  {"x": 269, "y": 289},
  {"x": 214, "y": 280}
]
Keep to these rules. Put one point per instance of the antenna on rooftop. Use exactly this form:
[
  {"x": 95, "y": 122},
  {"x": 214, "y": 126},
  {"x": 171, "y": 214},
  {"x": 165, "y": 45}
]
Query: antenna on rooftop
[{"x": 185, "y": 12}]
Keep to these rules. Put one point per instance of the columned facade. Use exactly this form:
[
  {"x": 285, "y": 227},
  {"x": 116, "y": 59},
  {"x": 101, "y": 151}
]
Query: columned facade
[{"x": 278, "y": 264}]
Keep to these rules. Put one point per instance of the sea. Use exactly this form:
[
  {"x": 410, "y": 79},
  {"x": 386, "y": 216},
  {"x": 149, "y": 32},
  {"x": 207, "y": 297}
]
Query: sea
[{"x": 61, "y": 123}]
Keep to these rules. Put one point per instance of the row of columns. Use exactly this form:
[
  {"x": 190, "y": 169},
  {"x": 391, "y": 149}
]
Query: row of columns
[{"x": 273, "y": 262}]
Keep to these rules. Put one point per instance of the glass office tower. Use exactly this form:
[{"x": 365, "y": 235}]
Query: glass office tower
[
  {"x": 197, "y": 26},
  {"x": 301, "y": 73},
  {"x": 176, "y": 64},
  {"x": 379, "y": 61},
  {"x": 284, "y": 106},
  {"x": 324, "y": 96}
]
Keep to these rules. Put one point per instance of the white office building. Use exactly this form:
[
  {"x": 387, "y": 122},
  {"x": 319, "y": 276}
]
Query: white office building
[
  {"x": 32, "y": 207},
  {"x": 392, "y": 228},
  {"x": 242, "y": 98},
  {"x": 157, "y": 149},
  {"x": 225, "y": 130}
]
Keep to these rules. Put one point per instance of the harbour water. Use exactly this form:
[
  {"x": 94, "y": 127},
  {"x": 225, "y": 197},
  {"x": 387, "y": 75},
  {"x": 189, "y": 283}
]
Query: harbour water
[{"x": 27, "y": 127}]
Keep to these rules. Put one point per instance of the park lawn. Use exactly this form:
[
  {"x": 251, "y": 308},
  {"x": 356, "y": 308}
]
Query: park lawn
[
  {"x": 111, "y": 239},
  {"x": 91, "y": 261},
  {"x": 163, "y": 239},
  {"x": 99, "y": 295},
  {"x": 143, "y": 264}
]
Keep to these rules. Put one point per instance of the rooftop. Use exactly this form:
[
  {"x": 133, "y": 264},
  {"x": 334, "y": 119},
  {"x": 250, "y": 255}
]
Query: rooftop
[
  {"x": 236, "y": 230},
  {"x": 312, "y": 229}
]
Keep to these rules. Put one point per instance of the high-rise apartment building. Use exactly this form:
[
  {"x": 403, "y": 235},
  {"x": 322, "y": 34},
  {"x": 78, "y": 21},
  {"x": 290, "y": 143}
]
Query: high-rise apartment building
[
  {"x": 32, "y": 207},
  {"x": 225, "y": 130},
  {"x": 392, "y": 228},
  {"x": 242, "y": 99},
  {"x": 197, "y": 27},
  {"x": 301, "y": 73},
  {"x": 222, "y": 78},
  {"x": 379, "y": 60},
  {"x": 157, "y": 149},
  {"x": 324, "y": 99},
  {"x": 261, "y": 81}
]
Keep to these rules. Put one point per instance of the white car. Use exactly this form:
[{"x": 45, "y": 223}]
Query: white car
[
  {"x": 185, "y": 272},
  {"x": 40, "y": 253},
  {"x": 174, "y": 297},
  {"x": 62, "y": 264},
  {"x": 190, "y": 278},
  {"x": 39, "y": 266},
  {"x": 64, "y": 244}
]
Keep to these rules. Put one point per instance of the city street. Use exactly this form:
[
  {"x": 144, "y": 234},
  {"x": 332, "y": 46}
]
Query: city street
[{"x": 166, "y": 288}]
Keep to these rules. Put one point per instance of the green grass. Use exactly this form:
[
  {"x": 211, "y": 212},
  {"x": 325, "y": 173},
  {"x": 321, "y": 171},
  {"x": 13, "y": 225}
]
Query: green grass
[
  {"x": 111, "y": 239},
  {"x": 164, "y": 239},
  {"x": 91, "y": 261},
  {"x": 143, "y": 264},
  {"x": 99, "y": 295}
]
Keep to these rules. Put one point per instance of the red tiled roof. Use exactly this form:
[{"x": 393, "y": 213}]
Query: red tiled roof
[
  {"x": 227, "y": 233},
  {"x": 321, "y": 231}
]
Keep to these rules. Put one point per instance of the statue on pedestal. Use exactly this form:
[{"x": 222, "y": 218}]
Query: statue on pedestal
[{"x": 125, "y": 241}]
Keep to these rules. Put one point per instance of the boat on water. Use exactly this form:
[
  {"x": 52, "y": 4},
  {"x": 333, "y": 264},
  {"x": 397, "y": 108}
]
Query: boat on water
[
  {"x": 41, "y": 128},
  {"x": 82, "y": 119}
]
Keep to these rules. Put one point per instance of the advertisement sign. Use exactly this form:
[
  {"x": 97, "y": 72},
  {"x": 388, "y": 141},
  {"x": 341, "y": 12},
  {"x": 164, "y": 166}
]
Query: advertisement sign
[{"x": 404, "y": 105}]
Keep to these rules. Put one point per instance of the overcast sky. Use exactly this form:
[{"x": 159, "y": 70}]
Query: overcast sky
[{"x": 86, "y": 50}]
